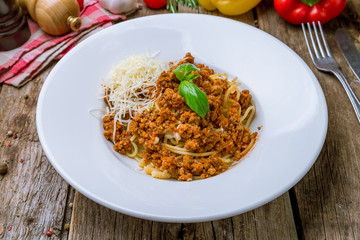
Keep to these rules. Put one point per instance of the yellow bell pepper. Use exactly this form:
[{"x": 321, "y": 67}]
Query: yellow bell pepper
[
  {"x": 207, "y": 5},
  {"x": 229, "y": 7}
]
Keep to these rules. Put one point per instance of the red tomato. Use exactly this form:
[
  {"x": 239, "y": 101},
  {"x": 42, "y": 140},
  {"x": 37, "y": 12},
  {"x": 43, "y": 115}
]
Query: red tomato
[
  {"x": 155, "y": 4},
  {"x": 303, "y": 11}
]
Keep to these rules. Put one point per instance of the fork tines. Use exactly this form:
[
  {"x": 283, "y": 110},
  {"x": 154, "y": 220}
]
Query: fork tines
[
  {"x": 325, "y": 62},
  {"x": 319, "y": 44}
]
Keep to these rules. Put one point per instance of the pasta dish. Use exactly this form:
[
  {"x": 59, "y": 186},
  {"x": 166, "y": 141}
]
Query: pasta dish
[{"x": 170, "y": 126}]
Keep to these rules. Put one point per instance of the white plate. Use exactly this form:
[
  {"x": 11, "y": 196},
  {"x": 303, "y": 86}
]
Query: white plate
[{"x": 290, "y": 106}]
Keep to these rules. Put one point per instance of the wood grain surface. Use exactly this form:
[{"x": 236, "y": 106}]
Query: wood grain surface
[{"x": 325, "y": 204}]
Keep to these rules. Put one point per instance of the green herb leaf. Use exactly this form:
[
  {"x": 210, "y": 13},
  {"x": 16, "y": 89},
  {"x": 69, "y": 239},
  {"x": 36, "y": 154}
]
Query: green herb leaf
[
  {"x": 194, "y": 98},
  {"x": 191, "y": 77},
  {"x": 310, "y": 2},
  {"x": 183, "y": 72},
  {"x": 171, "y": 6}
]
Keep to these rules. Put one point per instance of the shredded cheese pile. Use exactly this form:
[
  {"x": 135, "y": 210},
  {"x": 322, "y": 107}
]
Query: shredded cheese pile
[{"x": 126, "y": 86}]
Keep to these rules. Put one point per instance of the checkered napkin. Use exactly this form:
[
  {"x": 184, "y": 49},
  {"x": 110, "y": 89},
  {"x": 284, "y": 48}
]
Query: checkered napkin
[{"x": 22, "y": 64}]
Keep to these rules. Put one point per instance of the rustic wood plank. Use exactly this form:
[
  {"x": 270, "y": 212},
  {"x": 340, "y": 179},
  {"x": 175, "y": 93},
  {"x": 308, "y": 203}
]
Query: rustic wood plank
[
  {"x": 32, "y": 193},
  {"x": 67, "y": 214},
  {"x": 272, "y": 221},
  {"x": 328, "y": 197},
  {"x": 92, "y": 221},
  {"x": 95, "y": 219}
]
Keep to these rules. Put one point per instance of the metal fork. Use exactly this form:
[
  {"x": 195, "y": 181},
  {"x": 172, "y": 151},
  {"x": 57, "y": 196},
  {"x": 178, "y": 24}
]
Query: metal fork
[{"x": 324, "y": 61}]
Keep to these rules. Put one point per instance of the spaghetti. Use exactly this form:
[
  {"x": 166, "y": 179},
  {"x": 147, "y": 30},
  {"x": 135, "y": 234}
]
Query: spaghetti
[{"x": 169, "y": 140}]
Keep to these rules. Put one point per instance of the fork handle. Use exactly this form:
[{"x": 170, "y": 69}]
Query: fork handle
[{"x": 353, "y": 99}]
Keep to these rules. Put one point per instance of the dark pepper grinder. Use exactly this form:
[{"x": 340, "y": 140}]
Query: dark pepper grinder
[{"x": 14, "y": 29}]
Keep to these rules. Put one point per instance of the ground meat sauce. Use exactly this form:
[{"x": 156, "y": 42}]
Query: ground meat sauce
[{"x": 199, "y": 134}]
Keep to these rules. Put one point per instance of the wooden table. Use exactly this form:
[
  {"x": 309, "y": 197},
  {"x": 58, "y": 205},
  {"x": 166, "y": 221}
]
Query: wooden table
[{"x": 325, "y": 204}]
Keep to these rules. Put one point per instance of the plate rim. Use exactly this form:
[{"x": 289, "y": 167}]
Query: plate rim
[{"x": 174, "y": 219}]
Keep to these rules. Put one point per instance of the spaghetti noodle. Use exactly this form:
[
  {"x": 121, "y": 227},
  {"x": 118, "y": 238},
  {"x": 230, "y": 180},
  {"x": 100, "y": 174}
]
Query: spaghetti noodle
[{"x": 169, "y": 140}]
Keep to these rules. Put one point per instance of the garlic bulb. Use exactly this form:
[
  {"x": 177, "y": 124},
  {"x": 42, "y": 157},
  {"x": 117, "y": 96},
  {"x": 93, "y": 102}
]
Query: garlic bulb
[{"x": 119, "y": 6}]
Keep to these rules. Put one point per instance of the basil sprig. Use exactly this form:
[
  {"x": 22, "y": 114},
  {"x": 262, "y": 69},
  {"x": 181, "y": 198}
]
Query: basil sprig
[
  {"x": 183, "y": 72},
  {"x": 194, "y": 97}
]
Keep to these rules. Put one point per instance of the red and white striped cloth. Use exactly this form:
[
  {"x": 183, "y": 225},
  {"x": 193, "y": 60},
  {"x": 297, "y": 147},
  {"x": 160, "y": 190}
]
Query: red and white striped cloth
[{"x": 22, "y": 64}]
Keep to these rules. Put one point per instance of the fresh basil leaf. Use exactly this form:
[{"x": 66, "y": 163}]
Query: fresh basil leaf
[
  {"x": 183, "y": 72},
  {"x": 191, "y": 77},
  {"x": 194, "y": 98}
]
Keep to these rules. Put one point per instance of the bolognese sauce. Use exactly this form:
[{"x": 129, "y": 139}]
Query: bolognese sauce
[{"x": 170, "y": 140}]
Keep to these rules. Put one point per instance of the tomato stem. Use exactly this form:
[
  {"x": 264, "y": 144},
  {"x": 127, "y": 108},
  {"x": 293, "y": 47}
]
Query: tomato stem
[{"x": 310, "y": 3}]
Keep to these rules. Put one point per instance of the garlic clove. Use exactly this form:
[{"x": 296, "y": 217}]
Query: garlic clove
[{"x": 119, "y": 6}]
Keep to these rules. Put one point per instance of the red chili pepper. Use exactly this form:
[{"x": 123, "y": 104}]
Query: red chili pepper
[
  {"x": 9, "y": 228},
  {"x": 303, "y": 11}
]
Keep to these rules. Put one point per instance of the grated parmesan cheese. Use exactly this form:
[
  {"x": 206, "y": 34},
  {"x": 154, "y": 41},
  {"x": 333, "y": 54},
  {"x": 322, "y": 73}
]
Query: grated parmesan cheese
[{"x": 127, "y": 86}]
